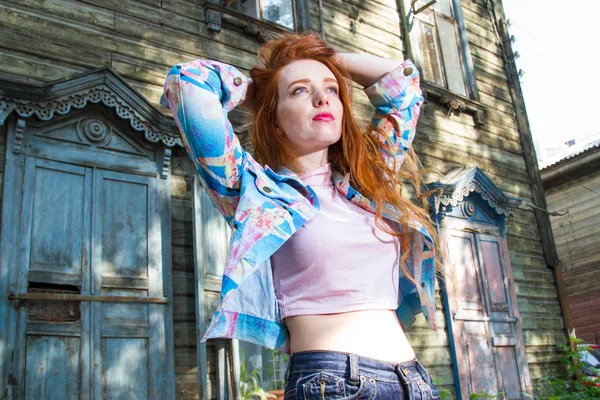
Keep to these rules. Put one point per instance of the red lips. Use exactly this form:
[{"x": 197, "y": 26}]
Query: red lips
[{"x": 325, "y": 116}]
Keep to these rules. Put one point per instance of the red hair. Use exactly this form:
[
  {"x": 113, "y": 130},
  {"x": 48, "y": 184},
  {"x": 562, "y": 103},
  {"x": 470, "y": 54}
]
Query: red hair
[{"x": 356, "y": 153}]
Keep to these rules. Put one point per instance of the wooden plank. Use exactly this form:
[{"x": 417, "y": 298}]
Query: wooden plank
[
  {"x": 43, "y": 49},
  {"x": 548, "y": 338},
  {"x": 25, "y": 64},
  {"x": 361, "y": 43},
  {"x": 386, "y": 20},
  {"x": 72, "y": 11},
  {"x": 541, "y": 323},
  {"x": 457, "y": 127},
  {"x": 154, "y": 14},
  {"x": 536, "y": 290}
]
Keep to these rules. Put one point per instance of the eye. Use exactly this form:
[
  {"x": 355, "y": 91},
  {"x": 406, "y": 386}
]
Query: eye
[
  {"x": 299, "y": 90},
  {"x": 333, "y": 89}
]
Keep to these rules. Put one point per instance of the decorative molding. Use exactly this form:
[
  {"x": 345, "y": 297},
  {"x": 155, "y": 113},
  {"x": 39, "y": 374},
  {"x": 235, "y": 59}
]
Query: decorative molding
[
  {"x": 19, "y": 131},
  {"x": 455, "y": 102},
  {"x": 213, "y": 17},
  {"x": 94, "y": 130},
  {"x": 102, "y": 86},
  {"x": 458, "y": 184},
  {"x": 468, "y": 208},
  {"x": 166, "y": 164}
]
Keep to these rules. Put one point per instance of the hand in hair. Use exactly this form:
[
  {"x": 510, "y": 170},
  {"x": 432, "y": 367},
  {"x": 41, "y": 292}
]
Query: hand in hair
[{"x": 248, "y": 97}]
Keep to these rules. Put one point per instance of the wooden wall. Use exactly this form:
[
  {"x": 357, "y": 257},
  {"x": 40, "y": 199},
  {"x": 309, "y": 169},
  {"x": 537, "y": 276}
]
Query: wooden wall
[
  {"x": 496, "y": 149},
  {"x": 47, "y": 40},
  {"x": 576, "y": 229}
]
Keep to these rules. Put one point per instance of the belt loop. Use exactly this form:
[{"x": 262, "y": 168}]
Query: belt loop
[
  {"x": 403, "y": 373},
  {"x": 353, "y": 359},
  {"x": 289, "y": 367}
]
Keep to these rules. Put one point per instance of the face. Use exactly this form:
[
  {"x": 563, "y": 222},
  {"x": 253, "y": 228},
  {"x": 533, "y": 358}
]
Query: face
[{"x": 309, "y": 110}]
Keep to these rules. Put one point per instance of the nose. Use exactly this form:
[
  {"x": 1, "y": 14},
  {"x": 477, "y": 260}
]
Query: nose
[{"x": 321, "y": 98}]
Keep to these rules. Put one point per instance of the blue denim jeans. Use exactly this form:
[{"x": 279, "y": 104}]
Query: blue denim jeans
[{"x": 324, "y": 375}]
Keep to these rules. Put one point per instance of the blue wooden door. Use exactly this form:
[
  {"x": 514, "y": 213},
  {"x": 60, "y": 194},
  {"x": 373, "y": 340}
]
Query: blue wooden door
[{"x": 87, "y": 287}]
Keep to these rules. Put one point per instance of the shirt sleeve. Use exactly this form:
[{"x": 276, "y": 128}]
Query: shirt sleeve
[
  {"x": 199, "y": 95},
  {"x": 397, "y": 99}
]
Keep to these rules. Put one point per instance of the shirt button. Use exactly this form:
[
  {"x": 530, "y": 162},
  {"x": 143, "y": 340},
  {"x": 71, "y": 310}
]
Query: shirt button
[
  {"x": 237, "y": 81},
  {"x": 267, "y": 189},
  {"x": 408, "y": 71},
  {"x": 422, "y": 284}
]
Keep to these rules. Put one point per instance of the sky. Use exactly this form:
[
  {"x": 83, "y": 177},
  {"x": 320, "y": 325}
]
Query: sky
[{"x": 559, "y": 45}]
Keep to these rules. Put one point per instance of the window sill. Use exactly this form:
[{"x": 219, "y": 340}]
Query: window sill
[
  {"x": 455, "y": 102},
  {"x": 264, "y": 30}
]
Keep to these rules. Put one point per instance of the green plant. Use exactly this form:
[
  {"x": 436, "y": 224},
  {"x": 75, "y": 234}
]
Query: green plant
[
  {"x": 250, "y": 386},
  {"x": 278, "y": 360},
  {"x": 444, "y": 393},
  {"x": 580, "y": 388},
  {"x": 486, "y": 396}
]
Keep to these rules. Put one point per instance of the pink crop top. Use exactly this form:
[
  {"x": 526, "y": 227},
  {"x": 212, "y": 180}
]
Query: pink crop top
[{"x": 337, "y": 262}]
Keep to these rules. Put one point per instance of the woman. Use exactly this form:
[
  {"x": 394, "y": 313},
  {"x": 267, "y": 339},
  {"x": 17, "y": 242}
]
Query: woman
[{"x": 327, "y": 261}]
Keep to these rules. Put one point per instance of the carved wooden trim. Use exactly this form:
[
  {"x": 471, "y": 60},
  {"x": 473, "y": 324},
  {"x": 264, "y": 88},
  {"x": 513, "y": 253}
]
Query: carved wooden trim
[
  {"x": 102, "y": 86},
  {"x": 166, "y": 164},
  {"x": 19, "y": 131},
  {"x": 455, "y": 102},
  {"x": 458, "y": 184}
]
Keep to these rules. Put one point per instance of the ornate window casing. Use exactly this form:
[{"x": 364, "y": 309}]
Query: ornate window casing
[
  {"x": 457, "y": 185},
  {"x": 437, "y": 42}
]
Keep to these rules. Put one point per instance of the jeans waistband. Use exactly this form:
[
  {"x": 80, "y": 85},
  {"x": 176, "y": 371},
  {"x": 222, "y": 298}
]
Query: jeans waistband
[{"x": 353, "y": 366}]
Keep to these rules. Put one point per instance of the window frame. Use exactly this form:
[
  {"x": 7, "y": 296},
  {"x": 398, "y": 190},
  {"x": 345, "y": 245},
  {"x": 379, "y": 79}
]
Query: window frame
[
  {"x": 260, "y": 16},
  {"x": 462, "y": 43},
  {"x": 215, "y": 10},
  {"x": 433, "y": 23},
  {"x": 456, "y": 102}
]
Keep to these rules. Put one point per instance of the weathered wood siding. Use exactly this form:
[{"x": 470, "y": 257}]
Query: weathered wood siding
[
  {"x": 576, "y": 235},
  {"x": 47, "y": 40},
  {"x": 496, "y": 149}
]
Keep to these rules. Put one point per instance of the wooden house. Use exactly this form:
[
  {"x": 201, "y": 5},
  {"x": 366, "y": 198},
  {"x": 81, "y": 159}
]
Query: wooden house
[
  {"x": 572, "y": 182},
  {"x": 110, "y": 256}
]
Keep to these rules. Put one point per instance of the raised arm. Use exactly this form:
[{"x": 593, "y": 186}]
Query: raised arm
[
  {"x": 394, "y": 89},
  {"x": 200, "y": 94},
  {"x": 366, "y": 69}
]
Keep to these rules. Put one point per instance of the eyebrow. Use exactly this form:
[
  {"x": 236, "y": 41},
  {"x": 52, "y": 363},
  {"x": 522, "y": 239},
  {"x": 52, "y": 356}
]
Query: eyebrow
[{"x": 306, "y": 80}]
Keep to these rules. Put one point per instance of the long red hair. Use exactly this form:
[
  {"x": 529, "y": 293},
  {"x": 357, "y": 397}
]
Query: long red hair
[{"x": 356, "y": 153}]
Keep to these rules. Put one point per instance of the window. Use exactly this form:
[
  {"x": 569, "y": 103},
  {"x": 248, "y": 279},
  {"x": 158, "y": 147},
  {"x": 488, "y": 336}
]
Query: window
[
  {"x": 435, "y": 44},
  {"x": 269, "y": 365},
  {"x": 280, "y": 12}
]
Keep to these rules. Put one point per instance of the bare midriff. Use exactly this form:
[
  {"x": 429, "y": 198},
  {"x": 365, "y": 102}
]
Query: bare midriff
[{"x": 370, "y": 333}]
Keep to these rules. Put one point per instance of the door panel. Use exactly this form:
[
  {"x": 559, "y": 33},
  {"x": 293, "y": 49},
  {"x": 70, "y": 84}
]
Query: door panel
[
  {"x": 125, "y": 369},
  {"x": 509, "y": 371},
  {"x": 124, "y": 228},
  {"x": 481, "y": 364},
  {"x": 52, "y": 368},
  {"x": 58, "y": 202}
]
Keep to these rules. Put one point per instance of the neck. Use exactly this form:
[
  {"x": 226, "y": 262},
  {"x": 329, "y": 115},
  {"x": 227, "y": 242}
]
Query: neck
[{"x": 310, "y": 161}]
